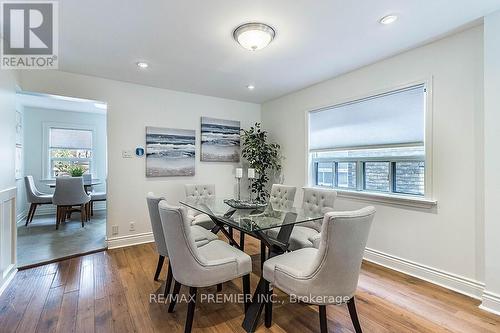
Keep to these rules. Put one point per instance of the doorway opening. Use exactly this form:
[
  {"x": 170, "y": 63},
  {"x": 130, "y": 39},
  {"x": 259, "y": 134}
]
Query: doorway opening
[{"x": 60, "y": 139}]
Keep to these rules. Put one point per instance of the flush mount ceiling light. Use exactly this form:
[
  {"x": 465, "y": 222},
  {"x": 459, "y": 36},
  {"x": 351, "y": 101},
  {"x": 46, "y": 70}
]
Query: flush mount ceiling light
[
  {"x": 250, "y": 87},
  {"x": 142, "y": 65},
  {"x": 254, "y": 36},
  {"x": 388, "y": 19}
]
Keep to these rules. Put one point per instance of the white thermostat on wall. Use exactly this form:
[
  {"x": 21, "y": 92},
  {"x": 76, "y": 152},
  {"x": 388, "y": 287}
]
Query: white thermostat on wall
[{"x": 127, "y": 153}]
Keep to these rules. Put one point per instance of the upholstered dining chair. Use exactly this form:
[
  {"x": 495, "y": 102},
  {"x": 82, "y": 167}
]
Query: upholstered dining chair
[
  {"x": 282, "y": 196},
  {"x": 315, "y": 201},
  {"x": 94, "y": 197},
  {"x": 69, "y": 193},
  {"x": 195, "y": 267},
  {"x": 201, "y": 237},
  {"x": 329, "y": 274},
  {"x": 35, "y": 198},
  {"x": 200, "y": 192}
]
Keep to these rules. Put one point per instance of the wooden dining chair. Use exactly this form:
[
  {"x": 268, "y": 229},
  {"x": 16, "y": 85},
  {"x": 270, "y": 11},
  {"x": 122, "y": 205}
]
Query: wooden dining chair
[
  {"x": 35, "y": 198},
  {"x": 68, "y": 194}
]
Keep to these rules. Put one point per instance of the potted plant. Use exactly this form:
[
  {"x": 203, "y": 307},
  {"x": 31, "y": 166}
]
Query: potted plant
[
  {"x": 76, "y": 170},
  {"x": 262, "y": 156}
]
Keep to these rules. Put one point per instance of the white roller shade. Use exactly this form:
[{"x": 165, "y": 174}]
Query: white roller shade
[
  {"x": 70, "y": 138},
  {"x": 388, "y": 119}
]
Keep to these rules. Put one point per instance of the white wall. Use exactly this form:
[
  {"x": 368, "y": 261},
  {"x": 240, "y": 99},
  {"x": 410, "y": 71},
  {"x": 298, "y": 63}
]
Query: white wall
[
  {"x": 130, "y": 109},
  {"x": 445, "y": 240},
  {"x": 491, "y": 297},
  {"x": 34, "y": 119},
  {"x": 21, "y": 191},
  {"x": 8, "y": 80}
]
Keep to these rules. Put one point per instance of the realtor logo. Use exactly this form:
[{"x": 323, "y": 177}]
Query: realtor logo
[{"x": 29, "y": 35}]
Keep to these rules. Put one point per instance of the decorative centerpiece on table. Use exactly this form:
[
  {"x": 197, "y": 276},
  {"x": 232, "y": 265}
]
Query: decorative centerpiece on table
[
  {"x": 243, "y": 204},
  {"x": 76, "y": 171},
  {"x": 263, "y": 157}
]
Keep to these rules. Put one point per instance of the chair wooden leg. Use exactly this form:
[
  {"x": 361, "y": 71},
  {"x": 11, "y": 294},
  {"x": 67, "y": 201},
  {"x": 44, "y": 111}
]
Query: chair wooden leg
[
  {"x": 32, "y": 206},
  {"x": 82, "y": 215},
  {"x": 91, "y": 208},
  {"x": 322, "y": 319},
  {"x": 58, "y": 217},
  {"x": 351, "y": 305},
  {"x": 190, "y": 312},
  {"x": 161, "y": 259},
  {"x": 175, "y": 296},
  {"x": 168, "y": 283},
  {"x": 246, "y": 290},
  {"x": 268, "y": 314},
  {"x": 33, "y": 212},
  {"x": 242, "y": 241}
]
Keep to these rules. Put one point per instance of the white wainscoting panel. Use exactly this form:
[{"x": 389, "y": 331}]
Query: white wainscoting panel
[{"x": 8, "y": 236}]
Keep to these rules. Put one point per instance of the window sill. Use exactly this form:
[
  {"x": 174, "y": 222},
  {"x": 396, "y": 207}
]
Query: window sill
[{"x": 400, "y": 200}]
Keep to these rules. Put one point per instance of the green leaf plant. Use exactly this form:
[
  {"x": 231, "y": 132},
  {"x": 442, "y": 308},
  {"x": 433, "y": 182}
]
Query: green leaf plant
[{"x": 262, "y": 156}]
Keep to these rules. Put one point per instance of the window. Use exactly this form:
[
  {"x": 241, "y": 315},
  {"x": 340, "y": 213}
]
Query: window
[
  {"x": 68, "y": 147},
  {"x": 375, "y": 144}
]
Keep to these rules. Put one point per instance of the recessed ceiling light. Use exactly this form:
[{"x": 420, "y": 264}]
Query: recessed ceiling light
[
  {"x": 251, "y": 87},
  {"x": 254, "y": 36},
  {"x": 142, "y": 64},
  {"x": 388, "y": 19}
]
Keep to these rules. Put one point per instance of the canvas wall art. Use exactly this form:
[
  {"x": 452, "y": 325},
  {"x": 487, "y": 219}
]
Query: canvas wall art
[
  {"x": 170, "y": 152},
  {"x": 220, "y": 140}
]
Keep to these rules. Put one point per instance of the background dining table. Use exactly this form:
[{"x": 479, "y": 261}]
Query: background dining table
[{"x": 87, "y": 184}]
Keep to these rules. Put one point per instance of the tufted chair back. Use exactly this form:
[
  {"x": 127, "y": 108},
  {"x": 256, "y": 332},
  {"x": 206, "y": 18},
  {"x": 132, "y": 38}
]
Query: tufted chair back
[
  {"x": 317, "y": 201},
  {"x": 334, "y": 272},
  {"x": 196, "y": 192},
  {"x": 282, "y": 196}
]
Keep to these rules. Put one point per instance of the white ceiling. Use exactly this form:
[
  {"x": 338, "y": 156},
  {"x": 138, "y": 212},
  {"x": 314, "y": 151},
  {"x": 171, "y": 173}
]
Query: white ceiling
[
  {"x": 53, "y": 102},
  {"x": 189, "y": 45}
]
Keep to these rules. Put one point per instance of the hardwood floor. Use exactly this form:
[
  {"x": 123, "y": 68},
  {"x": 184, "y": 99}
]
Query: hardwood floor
[{"x": 110, "y": 292}]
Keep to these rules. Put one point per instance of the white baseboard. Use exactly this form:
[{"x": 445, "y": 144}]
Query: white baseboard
[
  {"x": 21, "y": 217},
  {"x": 51, "y": 209},
  {"x": 7, "y": 277},
  {"x": 444, "y": 279},
  {"x": 491, "y": 302},
  {"x": 129, "y": 240}
]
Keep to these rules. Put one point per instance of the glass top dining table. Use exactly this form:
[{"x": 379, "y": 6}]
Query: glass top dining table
[
  {"x": 254, "y": 222},
  {"x": 250, "y": 220}
]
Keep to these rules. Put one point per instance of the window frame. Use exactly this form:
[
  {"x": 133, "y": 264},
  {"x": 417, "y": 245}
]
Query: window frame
[
  {"x": 47, "y": 159},
  {"x": 412, "y": 200}
]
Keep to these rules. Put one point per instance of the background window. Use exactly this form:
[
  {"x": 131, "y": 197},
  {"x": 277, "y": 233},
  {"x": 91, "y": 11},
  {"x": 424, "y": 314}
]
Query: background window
[
  {"x": 377, "y": 176},
  {"x": 69, "y": 147},
  {"x": 346, "y": 174},
  {"x": 375, "y": 144}
]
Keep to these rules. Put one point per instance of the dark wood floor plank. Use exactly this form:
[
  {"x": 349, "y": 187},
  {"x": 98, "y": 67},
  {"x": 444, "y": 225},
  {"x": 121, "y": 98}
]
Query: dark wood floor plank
[
  {"x": 52, "y": 308},
  {"x": 86, "y": 310},
  {"x": 35, "y": 306},
  {"x": 110, "y": 292},
  {"x": 16, "y": 301},
  {"x": 67, "y": 317},
  {"x": 74, "y": 274},
  {"x": 121, "y": 318},
  {"x": 61, "y": 274}
]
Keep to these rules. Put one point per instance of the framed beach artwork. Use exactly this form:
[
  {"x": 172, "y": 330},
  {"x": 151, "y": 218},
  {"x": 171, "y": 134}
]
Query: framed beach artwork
[
  {"x": 170, "y": 152},
  {"x": 220, "y": 140}
]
